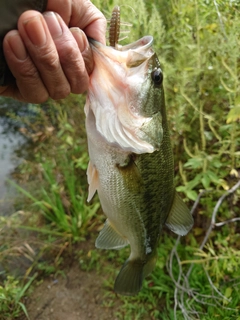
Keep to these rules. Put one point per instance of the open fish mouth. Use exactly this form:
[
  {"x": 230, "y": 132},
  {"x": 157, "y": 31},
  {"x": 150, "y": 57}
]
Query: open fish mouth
[
  {"x": 142, "y": 44},
  {"x": 132, "y": 54},
  {"x": 118, "y": 90}
]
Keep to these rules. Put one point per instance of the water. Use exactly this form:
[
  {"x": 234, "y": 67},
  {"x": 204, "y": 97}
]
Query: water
[
  {"x": 11, "y": 142},
  {"x": 13, "y": 149}
]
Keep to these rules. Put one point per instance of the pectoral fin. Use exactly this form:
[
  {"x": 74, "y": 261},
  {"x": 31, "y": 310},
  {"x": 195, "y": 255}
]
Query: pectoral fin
[
  {"x": 109, "y": 238},
  {"x": 92, "y": 176},
  {"x": 179, "y": 220}
]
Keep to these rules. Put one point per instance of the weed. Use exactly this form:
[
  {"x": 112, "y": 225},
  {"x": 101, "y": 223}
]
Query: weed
[{"x": 11, "y": 293}]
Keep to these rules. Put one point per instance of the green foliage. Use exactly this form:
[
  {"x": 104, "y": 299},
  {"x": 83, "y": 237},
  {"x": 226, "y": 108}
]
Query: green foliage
[
  {"x": 203, "y": 90},
  {"x": 11, "y": 293},
  {"x": 61, "y": 203},
  {"x": 158, "y": 295},
  {"x": 62, "y": 196},
  {"x": 139, "y": 19}
]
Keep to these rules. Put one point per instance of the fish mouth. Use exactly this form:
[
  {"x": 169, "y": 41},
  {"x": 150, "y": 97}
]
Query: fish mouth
[
  {"x": 142, "y": 44},
  {"x": 133, "y": 54}
]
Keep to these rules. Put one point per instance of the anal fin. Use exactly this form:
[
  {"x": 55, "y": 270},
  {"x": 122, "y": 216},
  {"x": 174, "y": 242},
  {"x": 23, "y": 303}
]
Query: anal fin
[
  {"x": 109, "y": 238},
  {"x": 179, "y": 220}
]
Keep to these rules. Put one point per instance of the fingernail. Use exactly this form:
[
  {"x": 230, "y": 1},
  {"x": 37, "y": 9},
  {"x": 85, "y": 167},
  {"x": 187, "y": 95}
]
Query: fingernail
[
  {"x": 84, "y": 47},
  {"x": 80, "y": 37},
  {"x": 53, "y": 24},
  {"x": 35, "y": 30},
  {"x": 17, "y": 46}
]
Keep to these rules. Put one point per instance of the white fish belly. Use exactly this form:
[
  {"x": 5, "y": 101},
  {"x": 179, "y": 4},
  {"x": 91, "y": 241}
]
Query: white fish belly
[{"x": 120, "y": 202}]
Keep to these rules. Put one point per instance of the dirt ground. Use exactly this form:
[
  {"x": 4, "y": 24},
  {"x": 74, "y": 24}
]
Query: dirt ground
[
  {"x": 73, "y": 294},
  {"x": 78, "y": 296}
]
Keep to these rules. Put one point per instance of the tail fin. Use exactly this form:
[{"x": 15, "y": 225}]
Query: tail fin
[{"x": 130, "y": 278}]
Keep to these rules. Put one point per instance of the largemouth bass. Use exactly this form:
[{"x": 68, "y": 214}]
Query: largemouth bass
[{"x": 131, "y": 159}]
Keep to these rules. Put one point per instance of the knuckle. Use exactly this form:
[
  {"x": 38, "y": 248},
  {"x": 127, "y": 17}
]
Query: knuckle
[
  {"x": 34, "y": 93},
  {"x": 74, "y": 68},
  {"x": 78, "y": 81},
  {"x": 58, "y": 88},
  {"x": 79, "y": 87},
  {"x": 60, "y": 93},
  {"x": 50, "y": 61},
  {"x": 40, "y": 99},
  {"x": 70, "y": 54},
  {"x": 28, "y": 72}
]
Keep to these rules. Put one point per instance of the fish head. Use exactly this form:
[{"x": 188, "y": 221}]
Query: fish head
[{"x": 126, "y": 95}]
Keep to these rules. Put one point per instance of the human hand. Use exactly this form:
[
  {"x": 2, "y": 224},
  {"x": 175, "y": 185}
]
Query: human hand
[{"x": 46, "y": 57}]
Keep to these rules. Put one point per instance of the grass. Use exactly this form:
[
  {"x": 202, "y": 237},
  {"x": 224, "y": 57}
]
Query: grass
[
  {"x": 198, "y": 45},
  {"x": 11, "y": 294}
]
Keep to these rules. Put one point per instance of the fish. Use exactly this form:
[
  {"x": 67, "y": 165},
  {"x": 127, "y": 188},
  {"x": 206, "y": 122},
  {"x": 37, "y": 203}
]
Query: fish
[{"x": 131, "y": 159}]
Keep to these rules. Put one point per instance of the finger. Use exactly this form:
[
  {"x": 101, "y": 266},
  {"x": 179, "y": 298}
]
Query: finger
[
  {"x": 88, "y": 18},
  {"x": 69, "y": 52},
  {"x": 29, "y": 86},
  {"x": 62, "y": 7},
  {"x": 82, "y": 14},
  {"x": 84, "y": 47},
  {"x": 40, "y": 46}
]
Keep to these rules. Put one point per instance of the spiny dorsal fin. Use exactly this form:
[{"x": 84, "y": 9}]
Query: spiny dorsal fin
[
  {"x": 109, "y": 238},
  {"x": 179, "y": 220}
]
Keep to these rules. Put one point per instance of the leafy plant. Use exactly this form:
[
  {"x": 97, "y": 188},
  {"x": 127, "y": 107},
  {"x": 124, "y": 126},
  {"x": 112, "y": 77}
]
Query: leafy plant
[
  {"x": 62, "y": 196},
  {"x": 11, "y": 293}
]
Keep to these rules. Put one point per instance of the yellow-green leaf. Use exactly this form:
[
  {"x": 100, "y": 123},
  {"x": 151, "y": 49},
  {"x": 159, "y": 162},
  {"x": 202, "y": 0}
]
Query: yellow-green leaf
[
  {"x": 234, "y": 114},
  {"x": 227, "y": 294},
  {"x": 69, "y": 140}
]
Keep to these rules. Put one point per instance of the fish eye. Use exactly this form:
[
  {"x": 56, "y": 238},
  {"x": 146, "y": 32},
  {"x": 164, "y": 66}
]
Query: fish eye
[{"x": 157, "y": 76}]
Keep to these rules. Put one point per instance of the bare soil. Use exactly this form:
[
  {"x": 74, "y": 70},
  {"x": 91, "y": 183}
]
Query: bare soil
[
  {"x": 73, "y": 294},
  {"x": 77, "y": 297}
]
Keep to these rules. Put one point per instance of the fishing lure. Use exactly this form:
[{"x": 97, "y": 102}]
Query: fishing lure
[
  {"x": 114, "y": 28},
  {"x": 115, "y": 33}
]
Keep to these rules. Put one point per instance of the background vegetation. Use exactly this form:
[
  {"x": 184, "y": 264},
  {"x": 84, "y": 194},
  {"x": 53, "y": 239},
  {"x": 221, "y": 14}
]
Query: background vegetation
[{"x": 197, "y": 277}]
